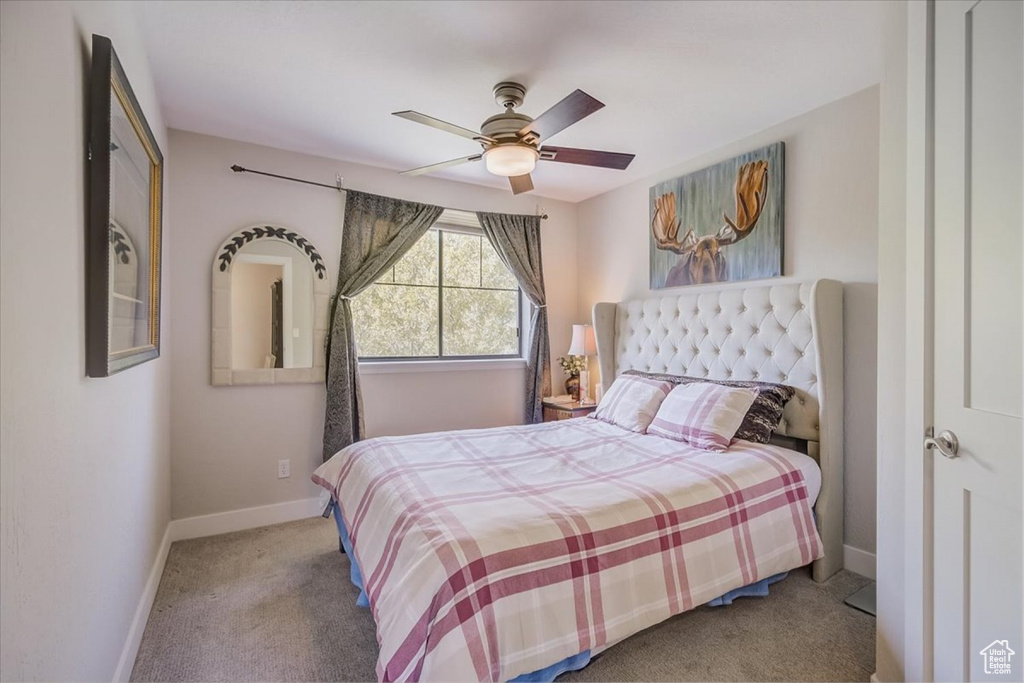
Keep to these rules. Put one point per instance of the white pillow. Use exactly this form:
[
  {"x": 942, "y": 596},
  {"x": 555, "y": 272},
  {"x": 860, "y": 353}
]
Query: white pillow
[
  {"x": 632, "y": 402},
  {"x": 702, "y": 414}
]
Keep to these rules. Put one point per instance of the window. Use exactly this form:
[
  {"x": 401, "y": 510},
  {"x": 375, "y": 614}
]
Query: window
[{"x": 449, "y": 297}]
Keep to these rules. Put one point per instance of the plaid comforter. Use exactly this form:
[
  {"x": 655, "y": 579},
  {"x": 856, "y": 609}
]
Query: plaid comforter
[{"x": 490, "y": 553}]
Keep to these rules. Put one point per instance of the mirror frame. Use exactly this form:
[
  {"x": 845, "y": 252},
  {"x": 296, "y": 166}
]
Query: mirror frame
[
  {"x": 221, "y": 372},
  {"x": 108, "y": 81}
]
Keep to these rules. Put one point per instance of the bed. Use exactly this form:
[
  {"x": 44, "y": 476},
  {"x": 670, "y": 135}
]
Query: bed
[{"x": 520, "y": 552}]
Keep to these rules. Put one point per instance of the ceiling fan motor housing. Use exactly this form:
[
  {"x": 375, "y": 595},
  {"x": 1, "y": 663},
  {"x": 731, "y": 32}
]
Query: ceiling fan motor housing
[{"x": 505, "y": 126}]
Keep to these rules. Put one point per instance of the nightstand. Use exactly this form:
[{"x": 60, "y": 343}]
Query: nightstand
[{"x": 562, "y": 409}]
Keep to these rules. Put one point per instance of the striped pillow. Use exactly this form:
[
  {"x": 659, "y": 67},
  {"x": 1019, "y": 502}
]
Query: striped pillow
[
  {"x": 632, "y": 402},
  {"x": 763, "y": 417},
  {"x": 702, "y": 414}
]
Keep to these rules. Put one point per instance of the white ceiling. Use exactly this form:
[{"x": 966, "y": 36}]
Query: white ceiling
[{"x": 678, "y": 78}]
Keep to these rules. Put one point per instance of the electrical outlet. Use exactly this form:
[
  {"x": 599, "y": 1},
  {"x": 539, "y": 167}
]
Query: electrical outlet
[{"x": 284, "y": 469}]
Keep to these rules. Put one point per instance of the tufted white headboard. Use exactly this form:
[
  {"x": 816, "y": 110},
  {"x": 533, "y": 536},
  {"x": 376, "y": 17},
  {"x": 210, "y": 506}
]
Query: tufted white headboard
[{"x": 787, "y": 334}]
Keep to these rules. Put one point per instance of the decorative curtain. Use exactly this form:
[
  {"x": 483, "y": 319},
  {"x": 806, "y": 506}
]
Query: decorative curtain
[
  {"x": 378, "y": 231},
  {"x": 516, "y": 238}
]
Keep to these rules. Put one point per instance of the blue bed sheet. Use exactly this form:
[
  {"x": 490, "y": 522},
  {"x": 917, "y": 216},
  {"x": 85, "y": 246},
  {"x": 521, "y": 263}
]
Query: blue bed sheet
[
  {"x": 574, "y": 663},
  {"x": 354, "y": 574}
]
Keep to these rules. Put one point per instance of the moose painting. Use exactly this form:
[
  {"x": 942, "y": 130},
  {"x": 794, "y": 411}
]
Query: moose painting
[{"x": 730, "y": 216}]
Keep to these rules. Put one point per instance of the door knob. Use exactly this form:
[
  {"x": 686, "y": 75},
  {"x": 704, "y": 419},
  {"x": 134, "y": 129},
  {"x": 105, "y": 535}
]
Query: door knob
[{"x": 945, "y": 443}]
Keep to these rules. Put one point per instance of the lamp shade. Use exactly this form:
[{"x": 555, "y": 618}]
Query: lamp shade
[
  {"x": 583, "y": 342},
  {"x": 511, "y": 160}
]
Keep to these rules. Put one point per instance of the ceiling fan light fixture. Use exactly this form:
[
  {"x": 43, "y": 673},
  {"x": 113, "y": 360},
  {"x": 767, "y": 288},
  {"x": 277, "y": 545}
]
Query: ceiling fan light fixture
[{"x": 511, "y": 160}]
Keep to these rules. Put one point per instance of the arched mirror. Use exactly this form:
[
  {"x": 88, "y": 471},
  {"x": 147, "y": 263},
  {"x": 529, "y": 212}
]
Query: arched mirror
[{"x": 270, "y": 299}]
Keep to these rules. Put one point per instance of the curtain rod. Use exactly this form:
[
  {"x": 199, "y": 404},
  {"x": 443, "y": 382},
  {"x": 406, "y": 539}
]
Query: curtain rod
[{"x": 338, "y": 182}]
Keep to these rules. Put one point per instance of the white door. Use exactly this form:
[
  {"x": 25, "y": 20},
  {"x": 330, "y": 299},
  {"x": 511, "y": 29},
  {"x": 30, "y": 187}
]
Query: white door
[{"x": 978, "y": 342}]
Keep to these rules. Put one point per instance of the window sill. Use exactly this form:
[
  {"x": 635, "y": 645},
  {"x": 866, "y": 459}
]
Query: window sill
[{"x": 418, "y": 366}]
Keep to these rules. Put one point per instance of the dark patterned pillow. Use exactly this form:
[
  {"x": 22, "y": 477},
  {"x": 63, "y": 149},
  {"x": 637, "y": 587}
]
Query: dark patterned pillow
[{"x": 763, "y": 417}]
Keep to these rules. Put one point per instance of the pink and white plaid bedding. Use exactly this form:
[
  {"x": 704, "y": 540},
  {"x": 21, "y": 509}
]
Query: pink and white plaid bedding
[
  {"x": 702, "y": 414},
  {"x": 491, "y": 553},
  {"x": 632, "y": 402}
]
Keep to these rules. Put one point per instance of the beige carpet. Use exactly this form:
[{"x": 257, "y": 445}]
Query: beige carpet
[{"x": 276, "y": 604}]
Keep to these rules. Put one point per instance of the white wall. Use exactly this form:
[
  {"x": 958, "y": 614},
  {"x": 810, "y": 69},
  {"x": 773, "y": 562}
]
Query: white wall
[
  {"x": 227, "y": 440},
  {"x": 84, "y": 463},
  {"x": 831, "y": 231},
  {"x": 892, "y": 207}
]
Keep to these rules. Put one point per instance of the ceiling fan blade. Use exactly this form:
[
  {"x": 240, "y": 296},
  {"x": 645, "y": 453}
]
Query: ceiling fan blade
[
  {"x": 587, "y": 157},
  {"x": 574, "y": 107},
  {"x": 444, "y": 164},
  {"x": 437, "y": 123},
  {"x": 520, "y": 183}
]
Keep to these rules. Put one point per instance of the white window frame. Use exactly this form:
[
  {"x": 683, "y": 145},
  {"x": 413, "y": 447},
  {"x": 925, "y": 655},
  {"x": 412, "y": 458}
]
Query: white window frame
[{"x": 466, "y": 223}]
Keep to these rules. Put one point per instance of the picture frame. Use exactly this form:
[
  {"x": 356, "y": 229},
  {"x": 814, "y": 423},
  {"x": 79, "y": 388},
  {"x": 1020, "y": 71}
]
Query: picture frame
[
  {"x": 124, "y": 223},
  {"x": 723, "y": 223}
]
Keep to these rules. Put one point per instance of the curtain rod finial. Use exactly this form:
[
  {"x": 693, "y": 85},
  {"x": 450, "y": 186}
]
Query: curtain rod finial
[{"x": 236, "y": 168}]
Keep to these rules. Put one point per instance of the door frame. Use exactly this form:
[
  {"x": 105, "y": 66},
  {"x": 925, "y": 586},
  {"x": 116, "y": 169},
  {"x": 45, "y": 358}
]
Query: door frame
[{"x": 918, "y": 608}]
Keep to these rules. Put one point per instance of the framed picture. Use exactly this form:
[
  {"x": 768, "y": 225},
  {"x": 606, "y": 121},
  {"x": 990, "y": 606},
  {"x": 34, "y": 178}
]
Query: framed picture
[
  {"x": 723, "y": 223},
  {"x": 124, "y": 223}
]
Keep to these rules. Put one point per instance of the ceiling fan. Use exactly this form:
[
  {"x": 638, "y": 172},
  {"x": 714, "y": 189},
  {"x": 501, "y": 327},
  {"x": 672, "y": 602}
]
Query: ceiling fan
[{"x": 511, "y": 141}]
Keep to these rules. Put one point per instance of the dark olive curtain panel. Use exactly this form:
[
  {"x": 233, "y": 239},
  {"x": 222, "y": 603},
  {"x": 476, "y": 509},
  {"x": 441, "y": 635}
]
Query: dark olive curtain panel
[
  {"x": 378, "y": 231},
  {"x": 516, "y": 238}
]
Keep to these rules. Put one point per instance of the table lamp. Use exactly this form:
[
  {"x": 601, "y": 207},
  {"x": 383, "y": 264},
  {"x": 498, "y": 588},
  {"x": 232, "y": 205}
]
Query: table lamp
[{"x": 583, "y": 344}]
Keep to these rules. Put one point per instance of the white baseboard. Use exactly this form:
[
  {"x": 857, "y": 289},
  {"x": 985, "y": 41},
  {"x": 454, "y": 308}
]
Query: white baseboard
[
  {"x": 197, "y": 527},
  {"x": 859, "y": 561},
  {"x": 138, "y": 627},
  {"x": 247, "y": 518}
]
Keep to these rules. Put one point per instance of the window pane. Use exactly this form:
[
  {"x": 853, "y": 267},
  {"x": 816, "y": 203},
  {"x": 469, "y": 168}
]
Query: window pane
[
  {"x": 480, "y": 322},
  {"x": 461, "y": 260},
  {"x": 419, "y": 265},
  {"x": 495, "y": 274},
  {"x": 399, "y": 318},
  {"x": 396, "y": 321}
]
